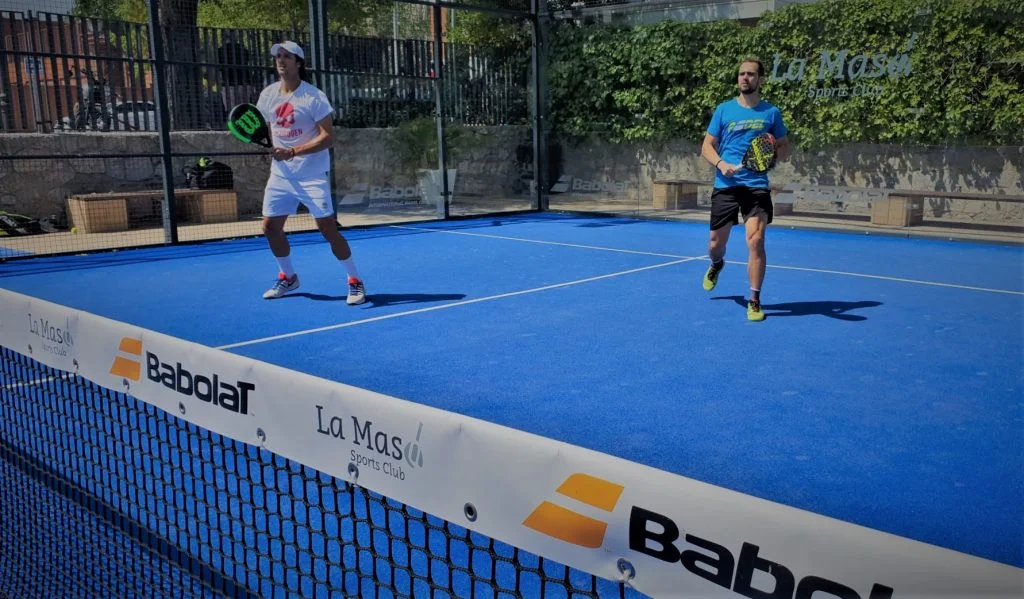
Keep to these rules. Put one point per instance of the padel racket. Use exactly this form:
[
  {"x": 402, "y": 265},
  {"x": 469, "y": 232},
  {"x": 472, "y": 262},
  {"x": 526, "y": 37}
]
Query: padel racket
[
  {"x": 247, "y": 124},
  {"x": 760, "y": 156}
]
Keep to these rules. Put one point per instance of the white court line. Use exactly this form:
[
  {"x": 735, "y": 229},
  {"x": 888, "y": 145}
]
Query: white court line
[
  {"x": 897, "y": 279},
  {"x": 451, "y": 305},
  {"x": 19, "y": 385},
  {"x": 820, "y": 270},
  {"x": 538, "y": 241},
  {"x": 48, "y": 379}
]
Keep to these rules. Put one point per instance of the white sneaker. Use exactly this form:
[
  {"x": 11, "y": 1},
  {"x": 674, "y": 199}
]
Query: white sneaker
[
  {"x": 356, "y": 292},
  {"x": 282, "y": 286}
]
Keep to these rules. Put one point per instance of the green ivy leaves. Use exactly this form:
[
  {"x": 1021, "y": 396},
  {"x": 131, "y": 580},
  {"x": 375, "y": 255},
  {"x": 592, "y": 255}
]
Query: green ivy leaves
[{"x": 659, "y": 82}]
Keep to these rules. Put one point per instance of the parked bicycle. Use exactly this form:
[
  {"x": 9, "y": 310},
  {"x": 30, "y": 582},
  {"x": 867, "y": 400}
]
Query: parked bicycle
[{"x": 94, "y": 113}]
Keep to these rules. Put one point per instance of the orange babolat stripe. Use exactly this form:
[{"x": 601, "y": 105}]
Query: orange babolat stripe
[
  {"x": 592, "y": 491},
  {"x": 130, "y": 346},
  {"x": 566, "y": 525},
  {"x": 126, "y": 368}
]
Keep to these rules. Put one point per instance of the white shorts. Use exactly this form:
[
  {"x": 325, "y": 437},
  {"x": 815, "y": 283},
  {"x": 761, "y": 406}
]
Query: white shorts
[{"x": 282, "y": 197}]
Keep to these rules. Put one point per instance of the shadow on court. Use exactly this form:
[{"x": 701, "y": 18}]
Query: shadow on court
[
  {"x": 615, "y": 222},
  {"x": 378, "y": 300},
  {"x": 831, "y": 309}
]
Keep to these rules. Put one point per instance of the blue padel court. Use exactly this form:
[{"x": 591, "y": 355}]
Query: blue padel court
[{"x": 884, "y": 388}]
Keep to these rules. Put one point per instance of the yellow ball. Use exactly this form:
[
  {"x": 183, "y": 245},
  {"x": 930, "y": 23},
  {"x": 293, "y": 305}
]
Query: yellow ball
[{"x": 74, "y": 230}]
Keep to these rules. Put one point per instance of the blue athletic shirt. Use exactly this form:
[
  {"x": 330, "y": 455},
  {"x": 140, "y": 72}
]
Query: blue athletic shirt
[{"x": 736, "y": 126}]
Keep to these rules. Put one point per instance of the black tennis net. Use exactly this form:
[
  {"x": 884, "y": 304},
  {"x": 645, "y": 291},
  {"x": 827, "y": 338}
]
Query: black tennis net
[{"x": 104, "y": 495}]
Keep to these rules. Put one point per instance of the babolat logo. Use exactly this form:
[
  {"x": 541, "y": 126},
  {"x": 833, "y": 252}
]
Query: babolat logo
[
  {"x": 128, "y": 367},
  {"x": 563, "y": 184},
  {"x": 716, "y": 563},
  {"x": 570, "y": 526},
  {"x": 380, "y": 192},
  {"x": 209, "y": 388},
  {"x": 362, "y": 193},
  {"x": 568, "y": 182},
  {"x": 658, "y": 536}
]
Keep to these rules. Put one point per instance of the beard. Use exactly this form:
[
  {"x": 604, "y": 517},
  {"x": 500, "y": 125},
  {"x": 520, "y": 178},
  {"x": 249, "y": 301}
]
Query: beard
[{"x": 749, "y": 89}]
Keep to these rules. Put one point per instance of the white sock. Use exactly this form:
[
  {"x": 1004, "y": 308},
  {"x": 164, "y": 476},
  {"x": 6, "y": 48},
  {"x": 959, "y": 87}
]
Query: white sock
[
  {"x": 350, "y": 267},
  {"x": 285, "y": 265}
]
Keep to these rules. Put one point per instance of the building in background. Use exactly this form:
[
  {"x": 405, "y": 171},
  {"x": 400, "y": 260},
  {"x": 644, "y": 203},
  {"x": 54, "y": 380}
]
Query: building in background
[{"x": 642, "y": 12}]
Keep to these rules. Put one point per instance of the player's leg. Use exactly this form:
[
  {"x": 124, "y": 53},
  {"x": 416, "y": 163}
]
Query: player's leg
[
  {"x": 328, "y": 227},
  {"x": 279, "y": 201},
  {"x": 317, "y": 198},
  {"x": 724, "y": 214},
  {"x": 758, "y": 212}
]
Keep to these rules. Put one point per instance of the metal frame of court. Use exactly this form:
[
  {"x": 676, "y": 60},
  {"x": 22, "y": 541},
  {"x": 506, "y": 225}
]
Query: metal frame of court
[
  {"x": 317, "y": 57},
  {"x": 534, "y": 14},
  {"x": 161, "y": 63}
]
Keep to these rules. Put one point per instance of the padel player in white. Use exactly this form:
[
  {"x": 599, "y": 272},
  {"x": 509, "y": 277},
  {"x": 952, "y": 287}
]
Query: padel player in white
[{"x": 300, "y": 120}]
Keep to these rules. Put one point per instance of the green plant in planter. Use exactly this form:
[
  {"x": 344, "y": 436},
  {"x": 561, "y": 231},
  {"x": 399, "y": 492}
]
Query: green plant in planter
[{"x": 415, "y": 143}]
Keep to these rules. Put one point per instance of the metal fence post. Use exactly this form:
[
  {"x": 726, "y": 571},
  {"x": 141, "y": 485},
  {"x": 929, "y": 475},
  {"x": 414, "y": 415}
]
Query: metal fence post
[
  {"x": 444, "y": 209},
  {"x": 538, "y": 101},
  {"x": 156, "y": 46},
  {"x": 5, "y": 92},
  {"x": 317, "y": 62}
]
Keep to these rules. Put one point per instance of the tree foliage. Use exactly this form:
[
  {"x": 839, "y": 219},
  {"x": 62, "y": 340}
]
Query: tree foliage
[
  {"x": 133, "y": 11},
  {"x": 499, "y": 34},
  {"x": 351, "y": 16}
]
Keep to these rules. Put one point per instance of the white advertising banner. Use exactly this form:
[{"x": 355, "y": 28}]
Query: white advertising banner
[{"x": 667, "y": 535}]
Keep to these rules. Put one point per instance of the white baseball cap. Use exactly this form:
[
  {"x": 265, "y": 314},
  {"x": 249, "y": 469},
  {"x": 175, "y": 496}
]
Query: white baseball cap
[{"x": 290, "y": 47}]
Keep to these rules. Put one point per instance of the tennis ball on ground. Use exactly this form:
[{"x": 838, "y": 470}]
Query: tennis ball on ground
[{"x": 74, "y": 230}]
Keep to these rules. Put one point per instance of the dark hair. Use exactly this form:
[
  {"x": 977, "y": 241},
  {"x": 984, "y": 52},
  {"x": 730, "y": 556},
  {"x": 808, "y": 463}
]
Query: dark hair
[
  {"x": 754, "y": 59},
  {"x": 303, "y": 74}
]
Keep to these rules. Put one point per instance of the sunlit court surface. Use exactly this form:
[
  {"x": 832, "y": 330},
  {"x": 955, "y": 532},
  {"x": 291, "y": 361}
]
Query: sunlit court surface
[
  {"x": 880, "y": 390},
  {"x": 404, "y": 299}
]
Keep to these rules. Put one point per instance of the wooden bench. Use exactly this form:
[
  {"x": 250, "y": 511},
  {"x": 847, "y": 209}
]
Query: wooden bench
[
  {"x": 898, "y": 211},
  {"x": 890, "y": 207},
  {"x": 682, "y": 194},
  {"x": 107, "y": 212},
  {"x": 905, "y": 207},
  {"x": 675, "y": 194}
]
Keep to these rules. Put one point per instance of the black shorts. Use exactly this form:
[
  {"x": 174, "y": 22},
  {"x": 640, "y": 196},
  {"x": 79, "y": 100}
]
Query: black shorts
[{"x": 727, "y": 204}]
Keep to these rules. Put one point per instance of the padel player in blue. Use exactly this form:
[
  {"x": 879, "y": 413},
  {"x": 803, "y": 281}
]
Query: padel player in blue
[{"x": 739, "y": 190}]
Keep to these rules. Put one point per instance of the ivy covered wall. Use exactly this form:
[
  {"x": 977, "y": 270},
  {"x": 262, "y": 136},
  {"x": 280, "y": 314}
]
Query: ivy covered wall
[{"x": 917, "y": 72}]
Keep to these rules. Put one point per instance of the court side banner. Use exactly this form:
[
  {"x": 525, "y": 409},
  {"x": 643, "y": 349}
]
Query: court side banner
[{"x": 665, "y": 535}]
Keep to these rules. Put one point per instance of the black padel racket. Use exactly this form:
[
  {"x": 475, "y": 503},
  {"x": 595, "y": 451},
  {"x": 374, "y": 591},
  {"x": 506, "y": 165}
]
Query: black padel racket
[
  {"x": 247, "y": 124},
  {"x": 760, "y": 156}
]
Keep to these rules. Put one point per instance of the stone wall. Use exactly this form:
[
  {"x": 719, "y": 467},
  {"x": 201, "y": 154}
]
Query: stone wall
[
  {"x": 362, "y": 157},
  {"x": 816, "y": 175},
  {"x": 496, "y": 162}
]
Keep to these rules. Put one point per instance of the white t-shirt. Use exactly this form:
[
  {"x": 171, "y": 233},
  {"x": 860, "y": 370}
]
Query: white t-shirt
[{"x": 292, "y": 119}]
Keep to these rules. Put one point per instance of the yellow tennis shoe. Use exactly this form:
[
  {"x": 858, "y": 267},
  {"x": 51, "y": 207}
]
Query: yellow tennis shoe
[
  {"x": 754, "y": 311},
  {"x": 711, "y": 276}
]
